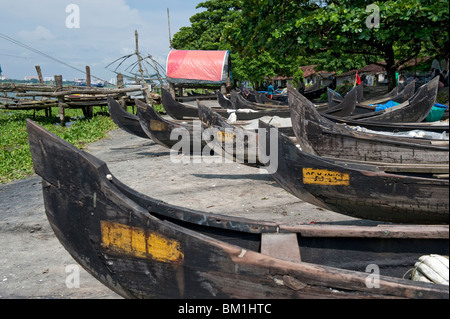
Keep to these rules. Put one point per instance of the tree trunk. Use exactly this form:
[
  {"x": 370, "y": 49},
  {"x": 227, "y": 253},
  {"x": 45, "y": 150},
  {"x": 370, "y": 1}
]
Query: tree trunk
[{"x": 390, "y": 67}]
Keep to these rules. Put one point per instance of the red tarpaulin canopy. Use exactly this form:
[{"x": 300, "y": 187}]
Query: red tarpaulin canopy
[{"x": 198, "y": 67}]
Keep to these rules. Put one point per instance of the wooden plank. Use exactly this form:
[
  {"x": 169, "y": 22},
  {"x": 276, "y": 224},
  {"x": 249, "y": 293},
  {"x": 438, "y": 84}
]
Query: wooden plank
[
  {"x": 379, "y": 231},
  {"x": 282, "y": 246},
  {"x": 397, "y": 167},
  {"x": 69, "y": 91}
]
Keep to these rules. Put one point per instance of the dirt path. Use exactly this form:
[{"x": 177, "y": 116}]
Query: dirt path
[{"x": 33, "y": 264}]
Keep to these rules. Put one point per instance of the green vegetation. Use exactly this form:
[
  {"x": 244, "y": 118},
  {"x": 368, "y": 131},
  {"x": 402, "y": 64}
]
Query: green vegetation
[
  {"x": 268, "y": 37},
  {"x": 406, "y": 29},
  {"x": 208, "y": 31},
  {"x": 15, "y": 157}
]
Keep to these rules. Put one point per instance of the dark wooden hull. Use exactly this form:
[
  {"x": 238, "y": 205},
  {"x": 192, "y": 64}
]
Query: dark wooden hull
[
  {"x": 184, "y": 136},
  {"x": 191, "y": 137},
  {"x": 346, "y": 107},
  {"x": 263, "y": 99},
  {"x": 144, "y": 248},
  {"x": 415, "y": 109},
  {"x": 315, "y": 94},
  {"x": 399, "y": 94},
  {"x": 125, "y": 120},
  {"x": 224, "y": 102},
  {"x": 239, "y": 102},
  {"x": 255, "y": 96},
  {"x": 363, "y": 191},
  {"x": 181, "y": 111},
  {"x": 229, "y": 140},
  {"x": 390, "y": 127},
  {"x": 335, "y": 98},
  {"x": 342, "y": 109},
  {"x": 317, "y": 135}
]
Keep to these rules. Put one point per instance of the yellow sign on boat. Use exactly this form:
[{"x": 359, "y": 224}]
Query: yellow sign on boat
[
  {"x": 324, "y": 177},
  {"x": 158, "y": 126},
  {"x": 140, "y": 243},
  {"x": 225, "y": 136}
]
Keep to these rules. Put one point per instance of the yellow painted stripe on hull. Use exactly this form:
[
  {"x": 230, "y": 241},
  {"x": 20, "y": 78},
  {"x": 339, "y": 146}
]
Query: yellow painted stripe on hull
[{"x": 135, "y": 241}]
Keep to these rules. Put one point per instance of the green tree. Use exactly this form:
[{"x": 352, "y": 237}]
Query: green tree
[
  {"x": 205, "y": 32},
  {"x": 348, "y": 28},
  {"x": 209, "y": 30}
]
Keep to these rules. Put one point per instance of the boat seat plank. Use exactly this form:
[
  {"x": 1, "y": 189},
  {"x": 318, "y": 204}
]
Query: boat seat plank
[
  {"x": 282, "y": 246},
  {"x": 389, "y": 167},
  {"x": 398, "y": 169}
]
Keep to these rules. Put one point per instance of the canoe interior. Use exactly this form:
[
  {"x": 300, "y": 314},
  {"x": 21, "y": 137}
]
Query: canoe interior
[
  {"x": 318, "y": 135},
  {"x": 100, "y": 221}
]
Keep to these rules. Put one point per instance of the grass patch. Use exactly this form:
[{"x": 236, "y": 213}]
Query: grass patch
[{"x": 15, "y": 157}]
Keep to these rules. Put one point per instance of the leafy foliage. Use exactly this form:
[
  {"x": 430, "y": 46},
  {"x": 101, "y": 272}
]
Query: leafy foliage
[
  {"x": 209, "y": 30},
  {"x": 15, "y": 157},
  {"x": 341, "y": 29},
  {"x": 270, "y": 37}
]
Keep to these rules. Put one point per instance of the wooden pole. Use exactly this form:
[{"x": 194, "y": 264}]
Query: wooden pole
[
  {"x": 172, "y": 90},
  {"x": 120, "y": 85},
  {"x": 48, "y": 111},
  {"x": 146, "y": 89},
  {"x": 59, "y": 87},
  {"x": 168, "y": 22},
  {"x": 39, "y": 73},
  {"x": 88, "y": 110},
  {"x": 88, "y": 76}
]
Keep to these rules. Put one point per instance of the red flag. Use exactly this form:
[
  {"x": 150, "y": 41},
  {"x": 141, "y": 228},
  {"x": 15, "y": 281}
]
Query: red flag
[{"x": 358, "y": 79}]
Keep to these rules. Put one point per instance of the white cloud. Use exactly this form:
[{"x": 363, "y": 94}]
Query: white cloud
[
  {"x": 106, "y": 33},
  {"x": 126, "y": 51},
  {"x": 39, "y": 33}
]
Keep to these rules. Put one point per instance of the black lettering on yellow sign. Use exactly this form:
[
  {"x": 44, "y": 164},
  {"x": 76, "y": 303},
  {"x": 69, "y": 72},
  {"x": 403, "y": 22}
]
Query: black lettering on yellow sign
[
  {"x": 225, "y": 136},
  {"x": 325, "y": 177}
]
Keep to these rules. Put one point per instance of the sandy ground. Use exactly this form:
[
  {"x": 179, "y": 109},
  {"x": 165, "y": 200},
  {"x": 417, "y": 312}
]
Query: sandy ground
[{"x": 33, "y": 264}]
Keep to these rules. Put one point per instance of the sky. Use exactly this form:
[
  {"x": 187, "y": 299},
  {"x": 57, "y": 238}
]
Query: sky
[{"x": 83, "y": 33}]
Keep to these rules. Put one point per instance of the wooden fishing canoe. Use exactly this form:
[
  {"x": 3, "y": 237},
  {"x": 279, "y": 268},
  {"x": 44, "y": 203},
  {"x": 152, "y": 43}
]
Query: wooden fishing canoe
[
  {"x": 346, "y": 107},
  {"x": 320, "y": 136},
  {"x": 224, "y": 102},
  {"x": 255, "y": 96},
  {"x": 399, "y": 94},
  {"x": 334, "y": 98},
  {"x": 227, "y": 103},
  {"x": 369, "y": 191},
  {"x": 263, "y": 99},
  {"x": 440, "y": 127},
  {"x": 192, "y": 137},
  {"x": 182, "y": 111},
  {"x": 125, "y": 120},
  {"x": 229, "y": 140},
  {"x": 141, "y": 247},
  {"x": 315, "y": 91},
  {"x": 184, "y": 136},
  {"x": 415, "y": 109},
  {"x": 242, "y": 145},
  {"x": 239, "y": 102}
]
